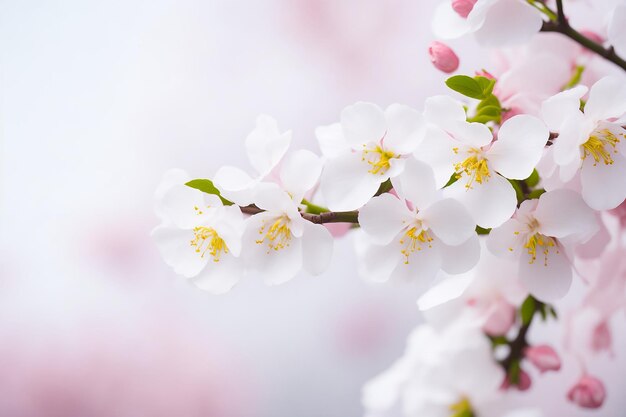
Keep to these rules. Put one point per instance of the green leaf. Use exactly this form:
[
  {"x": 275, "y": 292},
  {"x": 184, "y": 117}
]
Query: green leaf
[
  {"x": 578, "y": 72},
  {"x": 533, "y": 179},
  {"x": 453, "y": 178},
  {"x": 518, "y": 191},
  {"x": 499, "y": 340},
  {"x": 206, "y": 186},
  {"x": 536, "y": 193},
  {"x": 486, "y": 85},
  {"x": 553, "y": 312},
  {"x": 482, "y": 231},
  {"x": 489, "y": 101},
  {"x": 467, "y": 86},
  {"x": 527, "y": 310}
]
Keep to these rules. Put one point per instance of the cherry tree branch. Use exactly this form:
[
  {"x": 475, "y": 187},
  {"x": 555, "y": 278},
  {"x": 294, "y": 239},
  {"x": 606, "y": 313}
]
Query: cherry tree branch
[
  {"x": 321, "y": 218},
  {"x": 561, "y": 25}
]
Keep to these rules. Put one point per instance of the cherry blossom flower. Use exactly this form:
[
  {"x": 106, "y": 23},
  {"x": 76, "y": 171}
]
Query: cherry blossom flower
[
  {"x": 278, "y": 242},
  {"x": 489, "y": 293},
  {"x": 265, "y": 147},
  {"x": 540, "y": 235},
  {"x": 365, "y": 149},
  {"x": 199, "y": 237},
  {"x": 588, "y": 392},
  {"x": 589, "y": 142},
  {"x": 413, "y": 237},
  {"x": 543, "y": 357},
  {"x": 493, "y": 22},
  {"x": 454, "y": 146},
  {"x": 443, "y": 372}
]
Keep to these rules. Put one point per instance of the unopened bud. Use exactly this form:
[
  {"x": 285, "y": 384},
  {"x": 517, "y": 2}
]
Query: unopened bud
[
  {"x": 588, "y": 392},
  {"x": 523, "y": 381},
  {"x": 602, "y": 339},
  {"x": 500, "y": 318},
  {"x": 443, "y": 57},
  {"x": 463, "y": 7},
  {"x": 543, "y": 357}
]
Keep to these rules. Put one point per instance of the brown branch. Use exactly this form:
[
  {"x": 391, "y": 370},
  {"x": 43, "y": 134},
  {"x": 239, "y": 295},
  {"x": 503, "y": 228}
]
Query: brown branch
[{"x": 326, "y": 217}]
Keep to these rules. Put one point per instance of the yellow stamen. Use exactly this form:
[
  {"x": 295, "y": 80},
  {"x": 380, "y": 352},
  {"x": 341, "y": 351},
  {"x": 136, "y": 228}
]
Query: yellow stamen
[
  {"x": 474, "y": 166},
  {"x": 463, "y": 408},
  {"x": 278, "y": 235},
  {"x": 206, "y": 240},
  {"x": 600, "y": 145},
  {"x": 378, "y": 158},
  {"x": 543, "y": 243},
  {"x": 413, "y": 241}
]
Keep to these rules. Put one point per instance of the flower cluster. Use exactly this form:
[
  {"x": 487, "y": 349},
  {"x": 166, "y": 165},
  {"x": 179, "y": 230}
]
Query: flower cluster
[{"x": 501, "y": 198}]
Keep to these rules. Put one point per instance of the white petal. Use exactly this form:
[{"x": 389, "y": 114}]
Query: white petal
[
  {"x": 604, "y": 186},
  {"x": 235, "y": 185},
  {"x": 363, "y": 123},
  {"x": 277, "y": 266},
  {"x": 549, "y": 282},
  {"x": 447, "y": 23},
  {"x": 229, "y": 224},
  {"x": 383, "y": 217},
  {"x": 317, "y": 248},
  {"x": 405, "y": 129},
  {"x": 449, "y": 220},
  {"x": 509, "y": 22},
  {"x": 179, "y": 204},
  {"x": 443, "y": 111},
  {"x": 607, "y": 99},
  {"x": 376, "y": 262},
  {"x": 574, "y": 133},
  {"x": 416, "y": 183},
  {"x": 219, "y": 277},
  {"x": 491, "y": 203},
  {"x": 507, "y": 241},
  {"x": 461, "y": 258},
  {"x": 331, "y": 140},
  {"x": 299, "y": 172},
  {"x": 346, "y": 183},
  {"x": 269, "y": 196},
  {"x": 421, "y": 267},
  {"x": 437, "y": 151},
  {"x": 558, "y": 108},
  {"x": 265, "y": 145},
  {"x": 617, "y": 29},
  {"x": 562, "y": 213},
  {"x": 519, "y": 147},
  {"x": 175, "y": 247},
  {"x": 472, "y": 134}
]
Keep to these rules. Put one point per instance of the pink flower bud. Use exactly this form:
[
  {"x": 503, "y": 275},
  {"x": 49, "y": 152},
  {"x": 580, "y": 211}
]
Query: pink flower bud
[
  {"x": 543, "y": 357},
  {"x": 500, "y": 317},
  {"x": 588, "y": 392},
  {"x": 442, "y": 57},
  {"x": 463, "y": 7},
  {"x": 602, "y": 338},
  {"x": 524, "y": 382}
]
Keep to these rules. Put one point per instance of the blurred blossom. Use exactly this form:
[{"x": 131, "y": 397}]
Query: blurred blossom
[{"x": 588, "y": 392}]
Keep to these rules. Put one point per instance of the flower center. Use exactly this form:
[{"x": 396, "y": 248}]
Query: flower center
[
  {"x": 600, "y": 145},
  {"x": 474, "y": 166},
  {"x": 462, "y": 408},
  {"x": 206, "y": 240},
  {"x": 413, "y": 241},
  {"x": 378, "y": 159},
  {"x": 543, "y": 244},
  {"x": 277, "y": 235}
]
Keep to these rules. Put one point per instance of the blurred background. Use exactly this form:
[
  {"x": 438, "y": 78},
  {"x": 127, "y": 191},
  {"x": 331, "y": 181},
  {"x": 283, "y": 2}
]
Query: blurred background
[{"x": 98, "y": 100}]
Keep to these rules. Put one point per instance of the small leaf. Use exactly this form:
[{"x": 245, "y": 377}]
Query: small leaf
[
  {"x": 453, "y": 178},
  {"x": 207, "y": 186},
  {"x": 499, "y": 340},
  {"x": 482, "y": 231},
  {"x": 536, "y": 193},
  {"x": 489, "y": 101},
  {"x": 486, "y": 85},
  {"x": 466, "y": 85},
  {"x": 553, "y": 312},
  {"x": 533, "y": 179},
  {"x": 518, "y": 191},
  {"x": 527, "y": 310}
]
